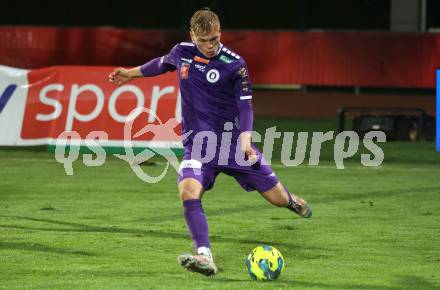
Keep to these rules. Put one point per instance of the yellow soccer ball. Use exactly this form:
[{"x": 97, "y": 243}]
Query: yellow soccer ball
[{"x": 265, "y": 263}]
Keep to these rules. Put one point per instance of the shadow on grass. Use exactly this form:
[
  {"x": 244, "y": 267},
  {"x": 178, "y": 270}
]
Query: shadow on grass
[
  {"x": 416, "y": 282},
  {"x": 404, "y": 282},
  {"x": 334, "y": 197},
  {"x": 34, "y": 247},
  {"x": 296, "y": 284},
  {"x": 87, "y": 272},
  {"x": 328, "y": 198},
  {"x": 77, "y": 227}
]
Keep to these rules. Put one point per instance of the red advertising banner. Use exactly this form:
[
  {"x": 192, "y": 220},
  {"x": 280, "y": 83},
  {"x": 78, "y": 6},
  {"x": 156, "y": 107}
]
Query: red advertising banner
[
  {"x": 80, "y": 99},
  {"x": 337, "y": 58}
]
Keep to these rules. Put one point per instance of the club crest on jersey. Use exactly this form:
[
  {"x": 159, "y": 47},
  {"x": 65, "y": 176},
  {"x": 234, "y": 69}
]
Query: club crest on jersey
[
  {"x": 212, "y": 76},
  {"x": 184, "y": 69}
]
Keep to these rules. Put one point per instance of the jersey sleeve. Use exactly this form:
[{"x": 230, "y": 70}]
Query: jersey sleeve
[
  {"x": 243, "y": 96},
  {"x": 171, "y": 59},
  {"x": 160, "y": 65}
]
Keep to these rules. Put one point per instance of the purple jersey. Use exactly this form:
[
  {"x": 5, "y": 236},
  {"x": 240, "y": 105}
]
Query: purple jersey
[{"x": 214, "y": 90}]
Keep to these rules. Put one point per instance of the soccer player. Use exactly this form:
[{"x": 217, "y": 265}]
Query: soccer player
[{"x": 216, "y": 97}]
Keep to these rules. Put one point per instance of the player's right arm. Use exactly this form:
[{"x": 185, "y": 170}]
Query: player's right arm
[
  {"x": 121, "y": 75},
  {"x": 154, "y": 67}
]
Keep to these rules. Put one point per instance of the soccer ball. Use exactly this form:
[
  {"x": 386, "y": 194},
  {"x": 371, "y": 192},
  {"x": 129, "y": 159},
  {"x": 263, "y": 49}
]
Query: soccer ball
[{"x": 265, "y": 263}]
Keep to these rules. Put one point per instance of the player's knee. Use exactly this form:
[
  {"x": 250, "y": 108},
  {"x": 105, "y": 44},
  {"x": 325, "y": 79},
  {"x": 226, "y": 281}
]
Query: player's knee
[
  {"x": 188, "y": 193},
  {"x": 277, "y": 196}
]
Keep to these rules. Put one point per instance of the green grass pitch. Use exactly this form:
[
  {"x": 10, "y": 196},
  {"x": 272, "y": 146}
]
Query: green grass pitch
[{"x": 103, "y": 228}]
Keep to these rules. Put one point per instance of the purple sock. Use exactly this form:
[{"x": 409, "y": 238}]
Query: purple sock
[{"x": 196, "y": 221}]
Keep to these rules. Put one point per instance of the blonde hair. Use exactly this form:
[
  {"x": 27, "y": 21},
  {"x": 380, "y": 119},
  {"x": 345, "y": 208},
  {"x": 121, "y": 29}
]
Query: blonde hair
[{"x": 203, "y": 21}]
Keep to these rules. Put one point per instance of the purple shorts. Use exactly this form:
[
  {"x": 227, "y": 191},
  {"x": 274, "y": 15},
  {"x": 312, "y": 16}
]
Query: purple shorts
[{"x": 258, "y": 176}]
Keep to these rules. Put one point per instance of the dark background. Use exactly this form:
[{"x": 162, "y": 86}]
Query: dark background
[{"x": 275, "y": 14}]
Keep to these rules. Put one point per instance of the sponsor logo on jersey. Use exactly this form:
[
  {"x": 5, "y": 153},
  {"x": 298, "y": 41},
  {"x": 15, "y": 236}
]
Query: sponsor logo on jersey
[
  {"x": 187, "y": 44},
  {"x": 200, "y": 67},
  {"x": 201, "y": 59},
  {"x": 244, "y": 86},
  {"x": 225, "y": 59},
  {"x": 212, "y": 76},
  {"x": 186, "y": 60},
  {"x": 243, "y": 72},
  {"x": 244, "y": 79},
  {"x": 184, "y": 70}
]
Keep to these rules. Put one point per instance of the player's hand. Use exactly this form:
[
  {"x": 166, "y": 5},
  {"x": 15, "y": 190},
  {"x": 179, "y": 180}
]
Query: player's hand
[
  {"x": 246, "y": 147},
  {"x": 119, "y": 76}
]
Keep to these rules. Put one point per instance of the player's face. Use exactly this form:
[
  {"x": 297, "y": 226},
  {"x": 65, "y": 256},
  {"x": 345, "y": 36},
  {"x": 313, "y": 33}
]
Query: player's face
[{"x": 208, "y": 43}]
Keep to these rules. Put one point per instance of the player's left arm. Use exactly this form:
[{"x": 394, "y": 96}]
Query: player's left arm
[{"x": 243, "y": 97}]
